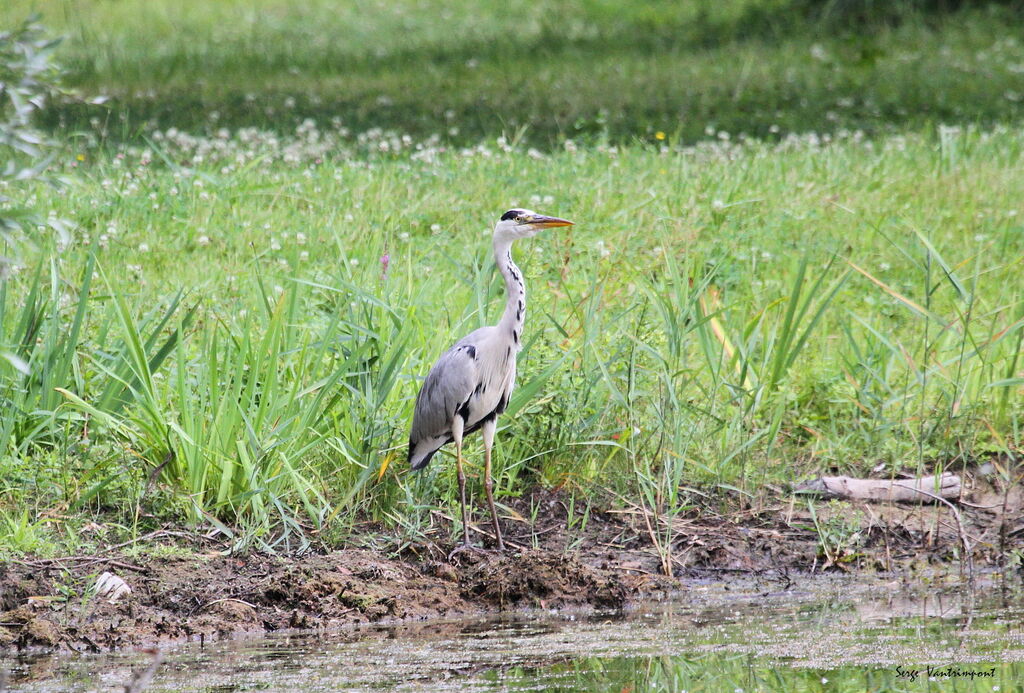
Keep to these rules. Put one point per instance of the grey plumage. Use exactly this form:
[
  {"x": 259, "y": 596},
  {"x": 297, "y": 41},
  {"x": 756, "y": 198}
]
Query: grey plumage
[
  {"x": 471, "y": 383},
  {"x": 474, "y": 380}
]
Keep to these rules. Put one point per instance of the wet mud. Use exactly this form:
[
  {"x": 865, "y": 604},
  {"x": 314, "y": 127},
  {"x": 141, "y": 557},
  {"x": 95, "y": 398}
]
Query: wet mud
[{"x": 560, "y": 559}]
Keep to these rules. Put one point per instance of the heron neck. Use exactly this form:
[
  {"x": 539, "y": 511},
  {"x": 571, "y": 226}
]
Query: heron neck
[{"x": 515, "y": 289}]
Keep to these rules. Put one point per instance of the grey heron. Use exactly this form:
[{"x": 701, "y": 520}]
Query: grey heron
[{"x": 470, "y": 384}]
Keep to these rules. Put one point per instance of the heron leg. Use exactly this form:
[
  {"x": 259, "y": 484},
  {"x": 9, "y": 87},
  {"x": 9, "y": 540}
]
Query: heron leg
[
  {"x": 487, "y": 431},
  {"x": 462, "y": 493},
  {"x": 457, "y": 425}
]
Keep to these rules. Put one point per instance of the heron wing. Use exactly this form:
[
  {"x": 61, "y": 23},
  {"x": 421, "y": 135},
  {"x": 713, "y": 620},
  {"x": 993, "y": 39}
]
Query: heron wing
[{"x": 448, "y": 387}]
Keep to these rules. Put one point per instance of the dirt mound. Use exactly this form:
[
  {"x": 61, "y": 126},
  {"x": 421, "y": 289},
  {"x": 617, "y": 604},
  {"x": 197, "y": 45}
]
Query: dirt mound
[
  {"x": 538, "y": 578},
  {"x": 212, "y": 596}
]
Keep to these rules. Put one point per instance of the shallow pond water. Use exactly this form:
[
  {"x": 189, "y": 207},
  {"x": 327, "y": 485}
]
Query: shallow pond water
[{"x": 821, "y": 635}]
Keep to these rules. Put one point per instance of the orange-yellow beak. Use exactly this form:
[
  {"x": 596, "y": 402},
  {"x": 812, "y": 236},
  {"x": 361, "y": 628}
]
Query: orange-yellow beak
[{"x": 542, "y": 222}]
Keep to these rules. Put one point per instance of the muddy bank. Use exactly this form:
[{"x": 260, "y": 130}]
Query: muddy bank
[
  {"x": 561, "y": 561},
  {"x": 211, "y": 596}
]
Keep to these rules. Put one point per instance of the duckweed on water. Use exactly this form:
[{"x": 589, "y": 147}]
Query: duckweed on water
[{"x": 829, "y": 635}]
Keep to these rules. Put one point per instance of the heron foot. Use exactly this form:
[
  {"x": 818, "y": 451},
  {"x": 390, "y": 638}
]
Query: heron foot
[{"x": 466, "y": 547}]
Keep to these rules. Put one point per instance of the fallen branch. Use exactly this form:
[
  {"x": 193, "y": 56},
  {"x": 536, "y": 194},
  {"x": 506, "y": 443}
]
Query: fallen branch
[
  {"x": 900, "y": 490},
  {"x": 81, "y": 561},
  {"x": 219, "y": 601}
]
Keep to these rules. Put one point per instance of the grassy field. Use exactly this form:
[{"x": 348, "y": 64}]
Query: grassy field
[
  {"x": 235, "y": 334},
  {"x": 546, "y": 69}
]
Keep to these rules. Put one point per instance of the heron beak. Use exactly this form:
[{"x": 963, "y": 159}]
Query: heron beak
[{"x": 542, "y": 222}]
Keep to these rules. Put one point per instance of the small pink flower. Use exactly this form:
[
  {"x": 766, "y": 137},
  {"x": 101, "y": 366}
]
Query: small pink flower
[{"x": 385, "y": 260}]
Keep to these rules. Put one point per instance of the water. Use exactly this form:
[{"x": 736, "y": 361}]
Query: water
[{"x": 825, "y": 635}]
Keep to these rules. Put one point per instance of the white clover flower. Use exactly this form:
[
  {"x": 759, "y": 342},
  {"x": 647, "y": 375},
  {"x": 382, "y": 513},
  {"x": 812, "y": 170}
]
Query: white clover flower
[
  {"x": 304, "y": 255},
  {"x": 300, "y": 238},
  {"x": 404, "y": 236},
  {"x": 435, "y": 228},
  {"x": 274, "y": 245},
  {"x": 203, "y": 240},
  {"x": 717, "y": 204},
  {"x": 143, "y": 247},
  {"x": 354, "y": 262}
]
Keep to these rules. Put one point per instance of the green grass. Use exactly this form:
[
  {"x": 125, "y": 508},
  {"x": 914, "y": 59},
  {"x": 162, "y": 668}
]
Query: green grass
[
  {"x": 223, "y": 343},
  {"x": 722, "y": 317},
  {"x": 584, "y": 70}
]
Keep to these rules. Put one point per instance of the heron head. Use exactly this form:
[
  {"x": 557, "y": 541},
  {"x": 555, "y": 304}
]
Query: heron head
[{"x": 523, "y": 223}]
